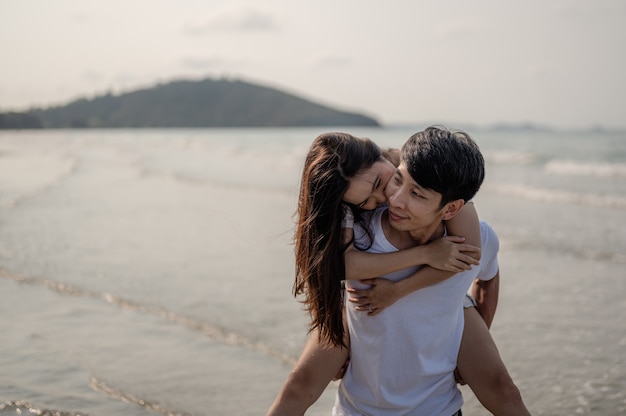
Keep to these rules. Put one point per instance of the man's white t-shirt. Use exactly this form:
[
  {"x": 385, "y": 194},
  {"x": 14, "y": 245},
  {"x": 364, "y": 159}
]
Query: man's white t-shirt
[{"x": 402, "y": 359}]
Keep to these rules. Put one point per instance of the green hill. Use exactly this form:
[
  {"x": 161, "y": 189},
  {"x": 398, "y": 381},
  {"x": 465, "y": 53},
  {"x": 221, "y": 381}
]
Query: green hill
[{"x": 205, "y": 103}]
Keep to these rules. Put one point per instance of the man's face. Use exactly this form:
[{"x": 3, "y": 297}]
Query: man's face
[{"x": 411, "y": 207}]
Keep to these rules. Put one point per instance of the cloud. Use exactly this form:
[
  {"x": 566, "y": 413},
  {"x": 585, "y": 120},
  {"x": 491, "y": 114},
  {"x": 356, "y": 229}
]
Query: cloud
[
  {"x": 457, "y": 29},
  {"x": 583, "y": 9},
  {"x": 92, "y": 76},
  {"x": 201, "y": 63},
  {"x": 537, "y": 72},
  {"x": 80, "y": 18},
  {"x": 333, "y": 62},
  {"x": 195, "y": 63},
  {"x": 234, "y": 20}
]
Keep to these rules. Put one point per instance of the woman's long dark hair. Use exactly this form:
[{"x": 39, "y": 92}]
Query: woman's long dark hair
[{"x": 334, "y": 158}]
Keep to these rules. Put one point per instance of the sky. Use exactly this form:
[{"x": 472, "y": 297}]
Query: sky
[{"x": 559, "y": 63}]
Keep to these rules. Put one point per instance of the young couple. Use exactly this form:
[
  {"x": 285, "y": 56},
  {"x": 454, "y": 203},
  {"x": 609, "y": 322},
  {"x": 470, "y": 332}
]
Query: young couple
[{"x": 405, "y": 323}]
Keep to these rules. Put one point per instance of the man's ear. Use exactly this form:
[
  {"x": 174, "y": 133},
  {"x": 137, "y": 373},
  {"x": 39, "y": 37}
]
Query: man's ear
[{"x": 452, "y": 208}]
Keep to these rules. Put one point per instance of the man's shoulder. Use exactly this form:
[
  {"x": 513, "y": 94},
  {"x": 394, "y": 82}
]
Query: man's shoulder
[
  {"x": 489, "y": 253},
  {"x": 489, "y": 238}
]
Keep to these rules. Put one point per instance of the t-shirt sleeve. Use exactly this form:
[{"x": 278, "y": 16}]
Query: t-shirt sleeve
[
  {"x": 490, "y": 248},
  {"x": 348, "y": 218}
]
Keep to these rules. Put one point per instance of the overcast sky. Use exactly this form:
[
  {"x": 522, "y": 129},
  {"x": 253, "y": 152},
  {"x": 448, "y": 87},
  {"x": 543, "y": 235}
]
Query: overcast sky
[{"x": 555, "y": 62}]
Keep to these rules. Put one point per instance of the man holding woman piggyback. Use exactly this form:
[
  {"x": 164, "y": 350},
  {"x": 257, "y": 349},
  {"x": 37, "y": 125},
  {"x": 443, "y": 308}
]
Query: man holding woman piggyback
[{"x": 407, "y": 332}]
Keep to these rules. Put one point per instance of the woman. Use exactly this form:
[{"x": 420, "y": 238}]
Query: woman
[{"x": 342, "y": 176}]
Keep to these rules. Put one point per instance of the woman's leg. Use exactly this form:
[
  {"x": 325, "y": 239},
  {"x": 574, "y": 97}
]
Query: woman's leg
[
  {"x": 317, "y": 366},
  {"x": 481, "y": 367}
]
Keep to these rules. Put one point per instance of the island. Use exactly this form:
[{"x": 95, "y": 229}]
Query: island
[{"x": 187, "y": 103}]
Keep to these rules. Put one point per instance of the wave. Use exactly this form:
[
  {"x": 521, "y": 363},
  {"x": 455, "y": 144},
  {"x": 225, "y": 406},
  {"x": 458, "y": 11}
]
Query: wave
[
  {"x": 23, "y": 407},
  {"x": 214, "y": 332},
  {"x": 558, "y": 196},
  {"x": 581, "y": 253},
  {"x": 103, "y": 387},
  {"x": 510, "y": 158},
  {"x": 571, "y": 167},
  {"x": 283, "y": 188},
  {"x": 241, "y": 185},
  {"x": 19, "y": 407},
  {"x": 52, "y": 171}
]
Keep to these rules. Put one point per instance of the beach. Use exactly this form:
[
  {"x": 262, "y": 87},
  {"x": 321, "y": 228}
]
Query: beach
[{"x": 150, "y": 272}]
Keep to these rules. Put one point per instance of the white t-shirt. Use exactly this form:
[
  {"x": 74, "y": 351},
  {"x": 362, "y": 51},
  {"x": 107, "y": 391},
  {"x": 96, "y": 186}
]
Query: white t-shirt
[
  {"x": 402, "y": 359},
  {"x": 348, "y": 217}
]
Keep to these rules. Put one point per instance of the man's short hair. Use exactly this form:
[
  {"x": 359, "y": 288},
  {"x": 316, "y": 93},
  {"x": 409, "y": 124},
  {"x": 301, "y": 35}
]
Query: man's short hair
[{"x": 445, "y": 161}]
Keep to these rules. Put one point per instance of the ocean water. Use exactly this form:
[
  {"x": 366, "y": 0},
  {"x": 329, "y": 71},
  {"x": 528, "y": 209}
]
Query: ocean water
[{"x": 149, "y": 272}]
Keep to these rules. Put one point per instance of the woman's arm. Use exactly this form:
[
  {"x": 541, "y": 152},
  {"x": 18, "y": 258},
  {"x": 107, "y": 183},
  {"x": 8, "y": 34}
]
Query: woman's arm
[
  {"x": 385, "y": 292},
  {"x": 447, "y": 253}
]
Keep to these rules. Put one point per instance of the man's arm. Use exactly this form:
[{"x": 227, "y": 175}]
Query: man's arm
[{"x": 486, "y": 292}]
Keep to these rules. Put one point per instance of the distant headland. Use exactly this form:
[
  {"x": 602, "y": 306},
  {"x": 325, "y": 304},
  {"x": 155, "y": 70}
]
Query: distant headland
[{"x": 185, "y": 103}]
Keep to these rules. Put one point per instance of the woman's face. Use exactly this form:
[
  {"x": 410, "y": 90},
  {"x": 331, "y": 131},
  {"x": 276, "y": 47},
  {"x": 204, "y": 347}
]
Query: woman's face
[{"x": 366, "y": 189}]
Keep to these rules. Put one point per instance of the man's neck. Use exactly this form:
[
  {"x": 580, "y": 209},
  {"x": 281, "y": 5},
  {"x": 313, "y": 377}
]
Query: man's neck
[{"x": 407, "y": 239}]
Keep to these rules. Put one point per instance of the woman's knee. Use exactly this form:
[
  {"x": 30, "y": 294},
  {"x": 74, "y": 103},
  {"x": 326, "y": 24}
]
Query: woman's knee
[
  {"x": 300, "y": 387},
  {"x": 506, "y": 387}
]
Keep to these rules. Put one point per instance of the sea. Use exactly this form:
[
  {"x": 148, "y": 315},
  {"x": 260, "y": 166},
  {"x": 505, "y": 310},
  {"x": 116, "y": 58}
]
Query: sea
[{"x": 149, "y": 272}]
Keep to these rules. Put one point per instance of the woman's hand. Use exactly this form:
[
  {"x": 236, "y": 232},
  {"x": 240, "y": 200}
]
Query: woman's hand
[
  {"x": 382, "y": 293},
  {"x": 450, "y": 254}
]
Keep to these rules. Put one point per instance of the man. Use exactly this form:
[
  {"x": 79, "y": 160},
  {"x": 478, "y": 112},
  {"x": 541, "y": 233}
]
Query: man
[{"x": 403, "y": 359}]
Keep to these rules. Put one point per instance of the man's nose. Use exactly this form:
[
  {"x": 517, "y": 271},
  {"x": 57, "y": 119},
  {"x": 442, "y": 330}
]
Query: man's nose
[{"x": 396, "y": 199}]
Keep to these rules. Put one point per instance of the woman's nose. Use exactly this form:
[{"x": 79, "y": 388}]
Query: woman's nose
[
  {"x": 370, "y": 205},
  {"x": 379, "y": 196}
]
